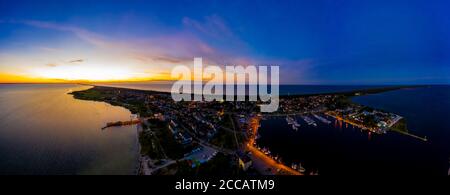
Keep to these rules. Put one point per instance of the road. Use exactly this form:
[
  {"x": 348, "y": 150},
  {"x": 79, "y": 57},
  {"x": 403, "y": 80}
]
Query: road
[
  {"x": 234, "y": 130},
  {"x": 263, "y": 163}
]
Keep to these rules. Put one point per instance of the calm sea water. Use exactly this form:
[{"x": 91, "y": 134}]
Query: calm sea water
[
  {"x": 43, "y": 130},
  {"x": 335, "y": 149}
]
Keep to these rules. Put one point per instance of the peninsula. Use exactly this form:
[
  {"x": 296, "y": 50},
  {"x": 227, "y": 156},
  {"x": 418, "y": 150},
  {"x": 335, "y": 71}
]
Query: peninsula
[{"x": 220, "y": 138}]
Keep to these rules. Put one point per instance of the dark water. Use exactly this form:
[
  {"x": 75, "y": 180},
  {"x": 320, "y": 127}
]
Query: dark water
[
  {"x": 334, "y": 149},
  {"x": 43, "y": 130}
]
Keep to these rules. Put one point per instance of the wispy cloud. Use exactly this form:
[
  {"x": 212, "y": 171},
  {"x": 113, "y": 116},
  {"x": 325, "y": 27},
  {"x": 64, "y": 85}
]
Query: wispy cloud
[
  {"x": 83, "y": 34},
  {"x": 76, "y": 61},
  {"x": 164, "y": 51},
  {"x": 218, "y": 31},
  {"x": 52, "y": 65},
  {"x": 48, "y": 49},
  {"x": 213, "y": 26}
]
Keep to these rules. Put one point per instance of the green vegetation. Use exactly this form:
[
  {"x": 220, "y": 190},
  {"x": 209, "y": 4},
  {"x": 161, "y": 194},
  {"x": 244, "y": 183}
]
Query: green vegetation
[
  {"x": 92, "y": 94},
  {"x": 400, "y": 126},
  {"x": 137, "y": 107},
  {"x": 369, "y": 121},
  {"x": 367, "y": 109},
  {"x": 359, "y": 91},
  {"x": 224, "y": 139},
  {"x": 220, "y": 165},
  {"x": 225, "y": 136},
  {"x": 226, "y": 121},
  {"x": 170, "y": 146},
  {"x": 150, "y": 145},
  {"x": 110, "y": 95},
  {"x": 342, "y": 102}
]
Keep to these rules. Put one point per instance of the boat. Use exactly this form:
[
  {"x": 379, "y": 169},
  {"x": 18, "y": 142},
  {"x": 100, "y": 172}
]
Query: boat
[
  {"x": 324, "y": 120},
  {"x": 294, "y": 166},
  {"x": 289, "y": 120},
  {"x": 314, "y": 173},
  {"x": 266, "y": 151},
  {"x": 309, "y": 121},
  {"x": 296, "y": 123},
  {"x": 449, "y": 167},
  {"x": 293, "y": 122},
  {"x": 300, "y": 168}
]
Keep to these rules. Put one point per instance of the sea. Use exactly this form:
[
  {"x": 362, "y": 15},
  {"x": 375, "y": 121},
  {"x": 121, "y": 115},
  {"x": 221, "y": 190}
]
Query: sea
[{"x": 44, "y": 130}]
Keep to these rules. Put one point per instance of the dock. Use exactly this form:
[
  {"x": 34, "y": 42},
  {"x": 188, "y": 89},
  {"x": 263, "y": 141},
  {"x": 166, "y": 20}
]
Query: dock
[
  {"x": 412, "y": 135},
  {"x": 121, "y": 123}
]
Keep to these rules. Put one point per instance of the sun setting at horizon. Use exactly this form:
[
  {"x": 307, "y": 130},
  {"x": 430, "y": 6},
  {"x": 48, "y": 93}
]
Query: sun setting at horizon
[
  {"x": 137, "y": 44},
  {"x": 90, "y": 73}
]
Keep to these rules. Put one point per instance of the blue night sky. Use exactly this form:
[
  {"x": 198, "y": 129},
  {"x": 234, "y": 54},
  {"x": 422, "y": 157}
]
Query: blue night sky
[{"x": 314, "y": 42}]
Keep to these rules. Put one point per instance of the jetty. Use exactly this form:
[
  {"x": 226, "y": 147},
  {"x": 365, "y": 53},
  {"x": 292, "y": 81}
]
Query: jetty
[
  {"x": 412, "y": 135},
  {"x": 121, "y": 123},
  {"x": 324, "y": 120}
]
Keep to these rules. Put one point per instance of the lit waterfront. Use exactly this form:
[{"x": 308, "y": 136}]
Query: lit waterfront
[
  {"x": 258, "y": 156},
  {"x": 341, "y": 148}
]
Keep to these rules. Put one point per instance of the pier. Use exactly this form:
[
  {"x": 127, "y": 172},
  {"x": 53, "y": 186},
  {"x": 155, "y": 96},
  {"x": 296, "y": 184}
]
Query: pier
[
  {"x": 412, "y": 135},
  {"x": 121, "y": 123},
  {"x": 371, "y": 130}
]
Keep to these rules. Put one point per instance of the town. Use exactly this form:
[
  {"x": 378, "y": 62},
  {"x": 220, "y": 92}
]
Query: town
[{"x": 220, "y": 137}]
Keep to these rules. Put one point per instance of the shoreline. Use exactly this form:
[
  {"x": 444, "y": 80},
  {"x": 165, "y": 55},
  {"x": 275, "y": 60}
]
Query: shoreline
[
  {"x": 259, "y": 157},
  {"x": 363, "y": 91},
  {"x": 140, "y": 166},
  {"x": 139, "y": 160}
]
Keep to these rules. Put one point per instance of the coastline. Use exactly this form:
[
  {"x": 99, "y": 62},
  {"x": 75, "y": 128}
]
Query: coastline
[
  {"x": 142, "y": 159},
  {"x": 262, "y": 162}
]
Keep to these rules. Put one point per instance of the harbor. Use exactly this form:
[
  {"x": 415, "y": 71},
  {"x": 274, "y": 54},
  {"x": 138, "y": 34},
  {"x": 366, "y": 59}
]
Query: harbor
[
  {"x": 262, "y": 159},
  {"x": 326, "y": 150}
]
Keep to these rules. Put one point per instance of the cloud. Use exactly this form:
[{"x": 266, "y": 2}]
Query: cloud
[
  {"x": 76, "y": 61},
  {"x": 175, "y": 48},
  {"x": 213, "y": 26},
  {"x": 296, "y": 71},
  {"x": 64, "y": 62},
  {"x": 216, "y": 31},
  {"x": 165, "y": 50},
  {"x": 86, "y": 35},
  {"x": 52, "y": 65},
  {"x": 48, "y": 49}
]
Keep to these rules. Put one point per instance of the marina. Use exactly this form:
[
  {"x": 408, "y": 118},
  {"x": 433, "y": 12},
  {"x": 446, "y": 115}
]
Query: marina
[
  {"x": 322, "y": 119},
  {"x": 309, "y": 121},
  {"x": 291, "y": 121},
  {"x": 388, "y": 153}
]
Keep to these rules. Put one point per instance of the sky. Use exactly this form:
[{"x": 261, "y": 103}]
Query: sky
[{"x": 313, "y": 42}]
